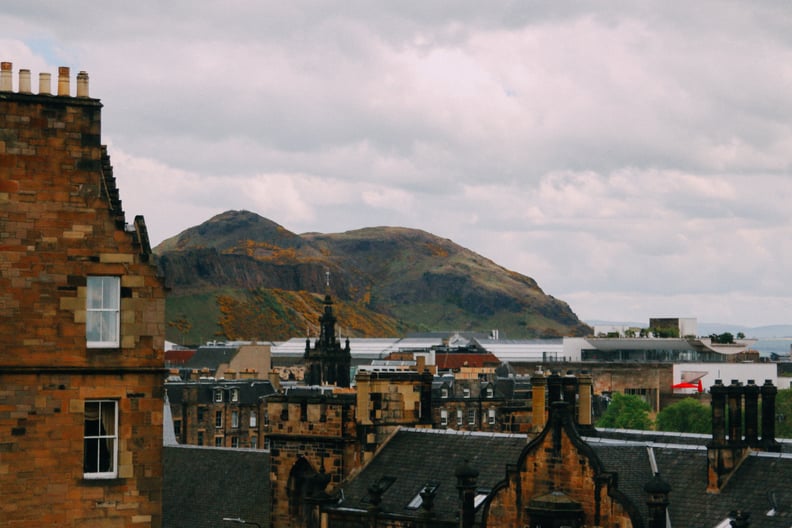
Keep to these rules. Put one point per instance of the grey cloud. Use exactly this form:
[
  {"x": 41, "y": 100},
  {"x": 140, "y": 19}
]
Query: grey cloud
[{"x": 627, "y": 155}]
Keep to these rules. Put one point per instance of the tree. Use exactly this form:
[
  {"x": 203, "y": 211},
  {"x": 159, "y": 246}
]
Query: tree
[
  {"x": 626, "y": 411},
  {"x": 784, "y": 414},
  {"x": 725, "y": 338},
  {"x": 740, "y": 335},
  {"x": 685, "y": 416}
]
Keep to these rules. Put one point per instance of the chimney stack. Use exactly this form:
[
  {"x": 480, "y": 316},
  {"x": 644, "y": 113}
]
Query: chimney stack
[
  {"x": 718, "y": 404},
  {"x": 5, "y": 76},
  {"x": 274, "y": 379},
  {"x": 45, "y": 84},
  {"x": 554, "y": 388},
  {"x": 24, "y": 81},
  {"x": 538, "y": 400},
  {"x": 45, "y": 81},
  {"x": 64, "y": 84},
  {"x": 734, "y": 394},
  {"x": 426, "y": 398},
  {"x": 569, "y": 386},
  {"x": 657, "y": 489},
  {"x": 82, "y": 84},
  {"x": 466, "y": 485},
  {"x": 769, "y": 391},
  {"x": 585, "y": 392},
  {"x": 751, "y": 391}
]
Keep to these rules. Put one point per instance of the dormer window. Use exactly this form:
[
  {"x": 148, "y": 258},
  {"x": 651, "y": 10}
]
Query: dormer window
[
  {"x": 429, "y": 489},
  {"x": 444, "y": 392},
  {"x": 466, "y": 392},
  {"x": 234, "y": 395},
  {"x": 218, "y": 395},
  {"x": 490, "y": 391},
  {"x": 481, "y": 494}
]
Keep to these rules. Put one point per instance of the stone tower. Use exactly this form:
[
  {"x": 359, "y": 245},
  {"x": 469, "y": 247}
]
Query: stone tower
[{"x": 327, "y": 363}]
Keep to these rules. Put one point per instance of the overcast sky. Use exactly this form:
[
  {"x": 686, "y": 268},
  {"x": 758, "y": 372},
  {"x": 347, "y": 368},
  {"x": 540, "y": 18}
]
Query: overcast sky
[{"x": 635, "y": 160}]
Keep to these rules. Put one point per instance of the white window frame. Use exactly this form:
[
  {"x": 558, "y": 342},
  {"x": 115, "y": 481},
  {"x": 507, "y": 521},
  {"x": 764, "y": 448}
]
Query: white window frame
[
  {"x": 234, "y": 395},
  {"x": 218, "y": 395},
  {"x": 472, "y": 416},
  {"x": 459, "y": 416},
  {"x": 102, "y": 437},
  {"x": 103, "y": 311},
  {"x": 235, "y": 419},
  {"x": 490, "y": 392},
  {"x": 443, "y": 417},
  {"x": 466, "y": 392},
  {"x": 253, "y": 419},
  {"x": 491, "y": 416},
  {"x": 235, "y": 441},
  {"x": 444, "y": 392},
  {"x": 218, "y": 419}
]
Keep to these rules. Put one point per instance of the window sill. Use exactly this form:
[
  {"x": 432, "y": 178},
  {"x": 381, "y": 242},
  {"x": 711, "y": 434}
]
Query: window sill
[{"x": 102, "y": 481}]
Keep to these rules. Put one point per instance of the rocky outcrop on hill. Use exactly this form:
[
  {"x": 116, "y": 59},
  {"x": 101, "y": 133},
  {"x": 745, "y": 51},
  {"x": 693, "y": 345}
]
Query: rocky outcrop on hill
[{"x": 385, "y": 280}]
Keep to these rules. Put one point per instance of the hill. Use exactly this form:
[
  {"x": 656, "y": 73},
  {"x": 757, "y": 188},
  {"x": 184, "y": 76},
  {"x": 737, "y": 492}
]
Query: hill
[{"x": 242, "y": 276}]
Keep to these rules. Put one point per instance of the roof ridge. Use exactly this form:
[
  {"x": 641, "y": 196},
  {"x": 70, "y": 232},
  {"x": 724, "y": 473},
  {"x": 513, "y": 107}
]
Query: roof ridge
[{"x": 462, "y": 433}]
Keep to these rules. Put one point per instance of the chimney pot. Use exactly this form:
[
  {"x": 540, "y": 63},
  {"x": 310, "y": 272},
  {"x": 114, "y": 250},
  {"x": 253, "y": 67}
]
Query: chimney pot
[
  {"x": 45, "y": 84},
  {"x": 82, "y": 84},
  {"x": 24, "y": 81},
  {"x": 64, "y": 86},
  {"x": 5, "y": 76}
]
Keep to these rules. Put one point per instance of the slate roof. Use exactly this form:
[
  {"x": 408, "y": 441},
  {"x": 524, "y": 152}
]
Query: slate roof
[
  {"x": 211, "y": 357},
  {"x": 250, "y": 390},
  {"x": 415, "y": 457},
  {"x": 684, "y": 467},
  {"x": 202, "y": 485}
]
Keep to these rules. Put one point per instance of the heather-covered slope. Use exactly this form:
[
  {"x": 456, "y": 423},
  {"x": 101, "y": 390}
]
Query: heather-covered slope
[{"x": 241, "y": 276}]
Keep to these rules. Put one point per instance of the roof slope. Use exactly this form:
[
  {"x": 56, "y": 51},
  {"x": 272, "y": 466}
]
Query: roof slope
[
  {"x": 416, "y": 457},
  {"x": 684, "y": 467},
  {"x": 202, "y": 485}
]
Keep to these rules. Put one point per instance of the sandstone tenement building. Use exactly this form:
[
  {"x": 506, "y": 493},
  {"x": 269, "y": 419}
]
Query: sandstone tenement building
[{"x": 81, "y": 322}]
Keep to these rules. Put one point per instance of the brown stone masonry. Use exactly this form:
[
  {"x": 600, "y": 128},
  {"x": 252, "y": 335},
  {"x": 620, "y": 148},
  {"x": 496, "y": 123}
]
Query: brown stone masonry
[{"x": 61, "y": 222}]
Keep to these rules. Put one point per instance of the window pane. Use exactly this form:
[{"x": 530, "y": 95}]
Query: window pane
[
  {"x": 93, "y": 326},
  {"x": 102, "y": 304},
  {"x": 107, "y": 415},
  {"x": 106, "y": 450},
  {"x": 94, "y": 293},
  {"x": 103, "y": 293},
  {"x": 100, "y": 440},
  {"x": 91, "y": 418},
  {"x": 109, "y": 326},
  {"x": 110, "y": 293},
  {"x": 91, "y": 455}
]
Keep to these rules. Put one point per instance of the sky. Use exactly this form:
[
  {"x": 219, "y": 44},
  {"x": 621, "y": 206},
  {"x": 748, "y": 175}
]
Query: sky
[{"x": 635, "y": 158}]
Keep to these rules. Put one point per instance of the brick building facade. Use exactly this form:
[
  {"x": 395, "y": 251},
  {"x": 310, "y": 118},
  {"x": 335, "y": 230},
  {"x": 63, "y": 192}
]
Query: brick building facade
[
  {"x": 82, "y": 315},
  {"x": 219, "y": 413}
]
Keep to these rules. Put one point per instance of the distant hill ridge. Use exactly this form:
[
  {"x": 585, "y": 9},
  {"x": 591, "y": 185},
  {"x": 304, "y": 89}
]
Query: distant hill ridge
[{"x": 242, "y": 276}]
